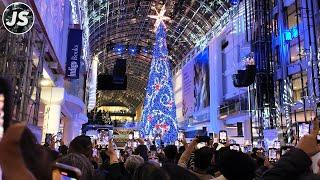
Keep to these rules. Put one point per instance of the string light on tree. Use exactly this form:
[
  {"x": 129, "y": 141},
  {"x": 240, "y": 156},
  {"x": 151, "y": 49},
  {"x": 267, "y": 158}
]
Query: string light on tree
[{"x": 159, "y": 111}]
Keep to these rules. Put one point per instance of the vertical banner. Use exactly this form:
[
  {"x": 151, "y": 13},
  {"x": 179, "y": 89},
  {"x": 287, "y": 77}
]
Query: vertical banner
[{"x": 73, "y": 53}]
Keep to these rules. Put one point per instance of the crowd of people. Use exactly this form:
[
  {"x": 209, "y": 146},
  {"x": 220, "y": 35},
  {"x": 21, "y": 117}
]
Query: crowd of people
[{"x": 23, "y": 158}]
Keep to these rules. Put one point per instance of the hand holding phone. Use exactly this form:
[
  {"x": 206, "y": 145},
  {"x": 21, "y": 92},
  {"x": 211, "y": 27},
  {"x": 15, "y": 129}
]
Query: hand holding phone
[
  {"x": 136, "y": 134},
  {"x": 65, "y": 172},
  {"x": 130, "y": 136},
  {"x": 272, "y": 154},
  {"x": 223, "y": 137}
]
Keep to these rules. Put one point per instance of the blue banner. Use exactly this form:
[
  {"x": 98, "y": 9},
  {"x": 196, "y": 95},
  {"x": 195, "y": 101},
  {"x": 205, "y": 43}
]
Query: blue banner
[{"x": 73, "y": 53}]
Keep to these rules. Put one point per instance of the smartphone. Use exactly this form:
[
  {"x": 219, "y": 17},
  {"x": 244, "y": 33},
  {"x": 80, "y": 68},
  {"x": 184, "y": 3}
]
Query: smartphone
[
  {"x": 223, "y": 137},
  {"x": 201, "y": 145},
  {"x": 1, "y": 115},
  {"x": 136, "y": 134},
  {"x": 277, "y": 144},
  {"x": 110, "y": 134},
  {"x": 135, "y": 144},
  {"x": 94, "y": 152},
  {"x": 235, "y": 147},
  {"x": 272, "y": 154},
  {"x": 118, "y": 153},
  {"x": 180, "y": 136},
  {"x": 130, "y": 136},
  {"x": 303, "y": 129},
  {"x": 65, "y": 172}
]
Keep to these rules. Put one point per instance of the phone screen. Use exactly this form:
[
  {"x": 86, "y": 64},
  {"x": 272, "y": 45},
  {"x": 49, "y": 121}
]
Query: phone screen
[
  {"x": 130, "y": 136},
  {"x": 110, "y": 134},
  {"x": 304, "y": 129},
  {"x": 223, "y": 137},
  {"x": 136, "y": 135},
  {"x": 118, "y": 153},
  {"x": 272, "y": 154},
  {"x": 1, "y": 115}
]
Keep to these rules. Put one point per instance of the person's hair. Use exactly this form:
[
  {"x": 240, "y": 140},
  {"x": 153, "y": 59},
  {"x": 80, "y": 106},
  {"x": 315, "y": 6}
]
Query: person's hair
[
  {"x": 63, "y": 149},
  {"x": 176, "y": 172},
  {"x": 153, "y": 148},
  {"x": 148, "y": 171},
  {"x": 202, "y": 158},
  {"x": 142, "y": 150},
  {"x": 6, "y": 90},
  {"x": 82, "y": 145},
  {"x": 170, "y": 152},
  {"x": 79, "y": 161},
  {"x": 132, "y": 163},
  {"x": 235, "y": 165},
  {"x": 181, "y": 149}
]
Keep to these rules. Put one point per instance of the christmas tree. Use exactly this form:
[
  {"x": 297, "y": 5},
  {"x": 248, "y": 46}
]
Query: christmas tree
[{"x": 159, "y": 113}]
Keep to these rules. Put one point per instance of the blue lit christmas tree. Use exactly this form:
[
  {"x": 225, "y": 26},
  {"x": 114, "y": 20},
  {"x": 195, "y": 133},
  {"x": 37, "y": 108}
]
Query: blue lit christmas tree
[{"x": 159, "y": 112}]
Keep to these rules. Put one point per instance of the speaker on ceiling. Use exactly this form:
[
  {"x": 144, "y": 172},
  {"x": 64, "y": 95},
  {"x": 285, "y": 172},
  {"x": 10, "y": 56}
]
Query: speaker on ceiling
[
  {"x": 105, "y": 82},
  {"x": 244, "y": 78}
]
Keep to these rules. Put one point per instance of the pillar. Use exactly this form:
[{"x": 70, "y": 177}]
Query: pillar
[
  {"x": 216, "y": 93},
  {"x": 72, "y": 127},
  {"x": 53, "y": 98}
]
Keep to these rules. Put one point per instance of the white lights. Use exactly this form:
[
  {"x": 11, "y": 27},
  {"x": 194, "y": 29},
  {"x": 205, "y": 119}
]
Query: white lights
[{"x": 75, "y": 11}]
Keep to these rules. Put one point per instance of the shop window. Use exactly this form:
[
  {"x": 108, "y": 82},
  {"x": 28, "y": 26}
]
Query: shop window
[
  {"x": 295, "y": 52},
  {"x": 275, "y": 25},
  {"x": 276, "y": 57},
  {"x": 292, "y": 14},
  {"x": 299, "y": 86}
]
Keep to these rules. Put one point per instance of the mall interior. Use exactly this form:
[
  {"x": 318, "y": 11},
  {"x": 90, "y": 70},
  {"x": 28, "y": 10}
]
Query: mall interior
[{"x": 160, "y": 89}]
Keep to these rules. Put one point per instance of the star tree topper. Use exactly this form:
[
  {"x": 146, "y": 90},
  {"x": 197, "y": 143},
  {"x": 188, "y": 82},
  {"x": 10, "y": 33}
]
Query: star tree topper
[{"x": 160, "y": 17}]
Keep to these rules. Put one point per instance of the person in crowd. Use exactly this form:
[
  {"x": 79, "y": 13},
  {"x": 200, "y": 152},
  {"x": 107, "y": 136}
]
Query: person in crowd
[
  {"x": 235, "y": 165},
  {"x": 148, "y": 171},
  {"x": 37, "y": 158},
  {"x": 12, "y": 165},
  {"x": 141, "y": 149},
  {"x": 81, "y": 145},
  {"x": 79, "y": 161},
  {"x": 132, "y": 163},
  {"x": 63, "y": 150},
  {"x": 202, "y": 160},
  {"x": 170, "y": 152},
  {"x": 176, "y": 172},
  {"x": 296, "y": 163}
]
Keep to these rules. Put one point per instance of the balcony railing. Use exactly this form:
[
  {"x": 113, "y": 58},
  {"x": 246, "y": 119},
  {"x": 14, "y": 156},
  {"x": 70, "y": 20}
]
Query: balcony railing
[{"x": 233, "y": 108}]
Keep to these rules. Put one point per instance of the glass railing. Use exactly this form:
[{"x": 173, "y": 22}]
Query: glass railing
[{"x": 233, "y": 108}]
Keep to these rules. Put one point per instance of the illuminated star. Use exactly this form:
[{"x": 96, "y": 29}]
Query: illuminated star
[{"x": 160, "y": 17}]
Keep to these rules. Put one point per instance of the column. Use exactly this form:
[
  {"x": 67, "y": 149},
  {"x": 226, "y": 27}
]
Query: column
[
  {"x": 72, "y": 127},
  {"x": 215, "y": 85},
  {"x": 53, "y": 98}
]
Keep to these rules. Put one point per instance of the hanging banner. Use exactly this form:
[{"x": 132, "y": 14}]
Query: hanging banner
[{"x": 73, "y": 53}]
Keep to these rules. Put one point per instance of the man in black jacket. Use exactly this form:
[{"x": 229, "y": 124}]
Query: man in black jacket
[{"x": 296, "y": 163}]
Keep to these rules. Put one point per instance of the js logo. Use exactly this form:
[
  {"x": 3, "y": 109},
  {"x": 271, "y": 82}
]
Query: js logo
[{"x": 18, "y": 18}]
